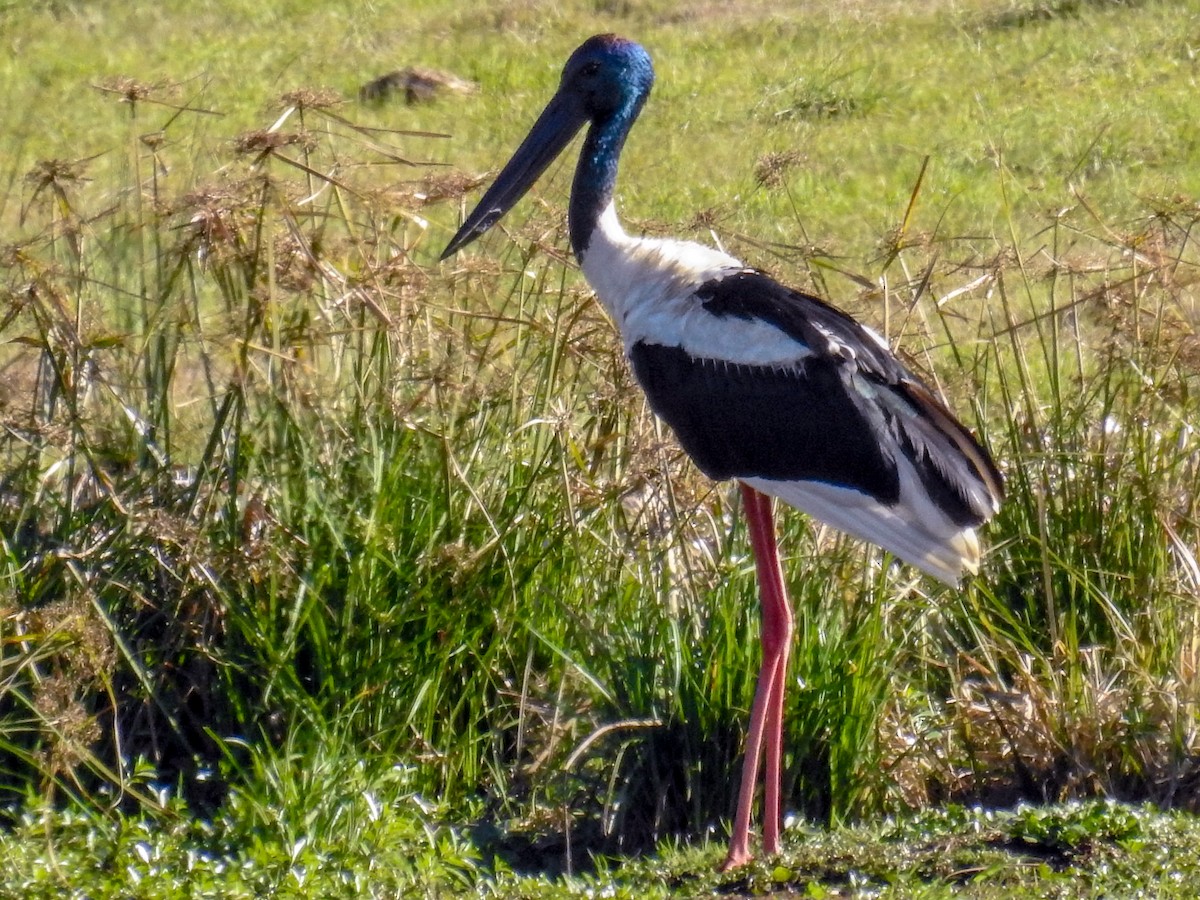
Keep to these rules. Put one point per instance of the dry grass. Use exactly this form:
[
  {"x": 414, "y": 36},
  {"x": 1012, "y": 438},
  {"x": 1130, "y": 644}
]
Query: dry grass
[{"x": 272, "y": 477}]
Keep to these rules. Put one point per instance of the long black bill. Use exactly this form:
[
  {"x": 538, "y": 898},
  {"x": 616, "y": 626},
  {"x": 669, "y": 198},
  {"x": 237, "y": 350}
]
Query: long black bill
[{"x": 559, "y": 122}]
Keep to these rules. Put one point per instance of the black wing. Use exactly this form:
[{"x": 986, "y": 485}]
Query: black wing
[
  {"x": 841, "y": 416},
  {"x": 739, "y": 421}
]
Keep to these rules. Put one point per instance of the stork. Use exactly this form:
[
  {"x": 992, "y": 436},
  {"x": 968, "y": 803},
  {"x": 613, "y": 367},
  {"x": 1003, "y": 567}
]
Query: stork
[{"x": 759, "y": 382}]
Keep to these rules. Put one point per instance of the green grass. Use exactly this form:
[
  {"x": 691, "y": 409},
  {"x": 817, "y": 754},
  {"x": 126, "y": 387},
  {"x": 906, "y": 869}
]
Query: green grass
[
  {"x": 325, "y": 567},
  {"x": 370, "y": 849}
]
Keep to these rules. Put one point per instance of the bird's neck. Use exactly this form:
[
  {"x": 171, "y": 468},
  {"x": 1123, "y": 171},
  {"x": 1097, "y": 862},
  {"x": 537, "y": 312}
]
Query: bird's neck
[{"x": 596, "y": 174}]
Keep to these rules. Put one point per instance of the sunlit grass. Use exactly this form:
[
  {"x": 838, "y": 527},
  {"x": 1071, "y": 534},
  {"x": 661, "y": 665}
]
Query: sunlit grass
[{"x": 294, "y": 517}]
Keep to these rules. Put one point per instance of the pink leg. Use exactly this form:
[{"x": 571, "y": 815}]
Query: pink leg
[{"x": 766, "y": 715}]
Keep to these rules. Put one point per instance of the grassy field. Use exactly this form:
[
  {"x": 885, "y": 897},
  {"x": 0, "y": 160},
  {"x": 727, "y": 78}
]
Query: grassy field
[{"x": 329, "y": 569}]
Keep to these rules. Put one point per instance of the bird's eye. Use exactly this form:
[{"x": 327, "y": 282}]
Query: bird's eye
[{"x": 591, "y": 68}]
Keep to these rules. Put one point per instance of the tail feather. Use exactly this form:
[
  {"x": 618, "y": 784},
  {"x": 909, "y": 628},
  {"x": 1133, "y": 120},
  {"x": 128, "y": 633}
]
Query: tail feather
[{"x": 932, "y": 544}]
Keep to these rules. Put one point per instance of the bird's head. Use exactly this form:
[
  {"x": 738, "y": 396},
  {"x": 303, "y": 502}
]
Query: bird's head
[{"x": 606, "y": 76}]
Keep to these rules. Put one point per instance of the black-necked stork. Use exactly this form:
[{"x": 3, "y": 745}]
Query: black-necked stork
[{"x": 759, "y": 382}]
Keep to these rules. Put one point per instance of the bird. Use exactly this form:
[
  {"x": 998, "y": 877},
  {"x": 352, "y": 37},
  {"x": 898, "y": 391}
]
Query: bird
[{"x": 761, "y": 383}]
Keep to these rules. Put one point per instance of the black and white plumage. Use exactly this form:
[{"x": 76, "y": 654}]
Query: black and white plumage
[
  {"x": 759, "y": 382},
  {"x": 840, "y": 430}
]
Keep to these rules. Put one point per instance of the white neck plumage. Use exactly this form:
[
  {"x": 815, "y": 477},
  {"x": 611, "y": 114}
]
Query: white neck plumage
[{"x": 638, "y": 275}]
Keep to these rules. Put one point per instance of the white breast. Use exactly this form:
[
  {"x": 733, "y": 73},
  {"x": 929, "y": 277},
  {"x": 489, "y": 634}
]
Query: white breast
[{"x": 648, "y": 286}]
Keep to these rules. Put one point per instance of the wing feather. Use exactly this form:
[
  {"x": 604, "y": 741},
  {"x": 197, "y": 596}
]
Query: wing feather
[{"x": 847, "y": 433}]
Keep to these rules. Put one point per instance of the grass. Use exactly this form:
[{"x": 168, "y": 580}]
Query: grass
[
  {"x": 1094, "y": 849},
  {"x": 327, "y": 568}
]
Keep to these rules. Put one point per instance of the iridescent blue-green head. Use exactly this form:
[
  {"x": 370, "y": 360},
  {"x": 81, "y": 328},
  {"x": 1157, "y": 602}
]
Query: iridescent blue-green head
[
  {"x": 604, "y": 84},
  {"x": 608, "y": 75}
]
